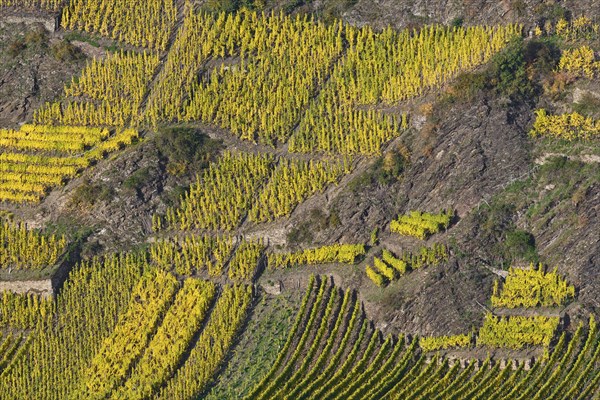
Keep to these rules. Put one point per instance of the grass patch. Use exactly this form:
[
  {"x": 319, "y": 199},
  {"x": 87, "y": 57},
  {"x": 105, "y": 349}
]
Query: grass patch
[
  {"x": 87, "y": 194},
  {"x": 138, "y": 179},
  {"x": 259, "y": 346}
]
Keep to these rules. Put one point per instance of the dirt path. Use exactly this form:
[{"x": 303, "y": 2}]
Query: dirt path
[{"x": 585, "y": 158}]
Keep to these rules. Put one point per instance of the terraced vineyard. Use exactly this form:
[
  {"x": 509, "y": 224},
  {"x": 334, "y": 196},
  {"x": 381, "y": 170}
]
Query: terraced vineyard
[
  {"x": 140, "y": 320},
  {"x": 109, "y": 92},
  {"x": 28, "y": 249},
  {"x": 145, "y": 333},
  {"x": 37, "y": 158},
  {"x": 50, "y": 5},
  {"x": 333, "y": 352},
  {"x": 308, "y": 133}
]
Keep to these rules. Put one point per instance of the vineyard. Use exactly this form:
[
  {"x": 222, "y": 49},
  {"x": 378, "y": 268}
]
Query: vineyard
[
  {"x": 388, "y": 267},
  {"x": 130, "y": 88},
  {"x": 333, "y": 352},
  {"x": 579, "y": 62},
  {"x": 221, "y": 197},
  {"x": 531, "y": 288},
  {"x": 195, "y": 255},
  {"x": 134, "y": 318},
  {"x": 386, "y": 68},
  {"x": 517, "y": 331},
  {"x": 421, "y": 225},
  {"x": 112, "y": 89},
  {"x": 333, "y": 123},
  {"x": 37, "y": 158},
  {"x": 141, "y": 332},
  {"x": 50, "y": 5},
  {"x": 571, "y": 126},
  {"x": 291, "y": 183},
  {"x": 23, "y": 248},
  {"x": 147, "y": 24},
  {"x": 342, "y": 354},
  {"x": 252, "y": 272},
  {"x": 337, "y": 253}
]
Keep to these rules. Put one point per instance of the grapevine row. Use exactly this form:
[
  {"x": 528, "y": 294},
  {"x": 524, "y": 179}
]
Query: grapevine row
[
  {"x": 213, "y": 344},
  {"x": 517, "y": 331},
  {"x": 145, "y": 24},
  {"x": 162, "y": 355},
  {"x": 421, "y": 224},
  {"x": 336, "y": 253},
  {"x": 49, "y": 5},
  {"x": 63, "y": 343},
  {"x": 150, "y": 299},
  {"x": 532, "y": 288},
  {"x": 389, "y": 267},
  {"x": 23, "y": 248},
  {"x": 573, "y": 126},
  {"x": 221, "y": 196},
  {"x": 191, "y": 254},
  {"x": 291, "y": 183},
  {"x": 109, "y": 92}
]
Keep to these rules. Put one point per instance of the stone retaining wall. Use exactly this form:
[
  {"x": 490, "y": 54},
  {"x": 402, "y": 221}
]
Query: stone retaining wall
[
  {"x": 51, "y": 23},
  {"x": 43, "y": 288}
]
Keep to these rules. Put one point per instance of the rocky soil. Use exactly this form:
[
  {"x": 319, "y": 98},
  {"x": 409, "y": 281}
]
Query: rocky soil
[{"x": 381, "y": 13}]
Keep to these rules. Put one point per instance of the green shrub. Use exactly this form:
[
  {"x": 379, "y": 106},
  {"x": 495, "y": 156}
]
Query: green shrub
[
  {"x": 87, "y": 194},
  {"x": 467, "y": 85},
  {"x": 518, "y": 245},
  {"x": 508, "y": 73},
  {"x": 457, "y": 21},
  {"x": 16, "y": 47},
  {"x": 66, "y": 51},
  {"x": 516, "y": 72},
  {"x": 138, "y": 179},
  {"x": 384, "y": 171},
  {"x": 187, "y": 149},
  {"x": 36, "y": 38}
]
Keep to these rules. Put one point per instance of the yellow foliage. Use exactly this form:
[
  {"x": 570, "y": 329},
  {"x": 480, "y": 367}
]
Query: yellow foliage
[
  {"x": 375, "y": 276},
  {"x": 421, "y": 225},
  {"x": 336, "y": 253},
  {"x": 191, "y": 254},
  {"x": 50, "y": 5},
  {"x": 222, "y": 194},
  {"x": 516, "y": 332},
  {"x": 433, "y": 343},
  {"x": 572, "y": 126},
  {"x": 27, "y": 177},
  {"x": 292, "y": 182},
  {"x": 22, "y": 248},
  {"x": 579, "y": 62},
  {"x": 146, "y": 23},
  {"x": 533, "y": 288}
]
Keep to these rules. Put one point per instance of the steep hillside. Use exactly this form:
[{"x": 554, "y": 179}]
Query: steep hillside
[{"x": 310, "y": 203}]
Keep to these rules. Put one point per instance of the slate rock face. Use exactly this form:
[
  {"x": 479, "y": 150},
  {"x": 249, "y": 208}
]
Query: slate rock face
[
  {"x": 127, "y": 216},
  {"x": 31, "y": 76},
  {"x": 477, "y": 151},
  {"x": 381, "y": 13}
]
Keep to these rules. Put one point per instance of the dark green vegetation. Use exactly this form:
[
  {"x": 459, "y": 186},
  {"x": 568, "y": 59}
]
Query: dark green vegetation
[
  {"x": 517, "y": 72},
  {"x": 187, "y": 150}
]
